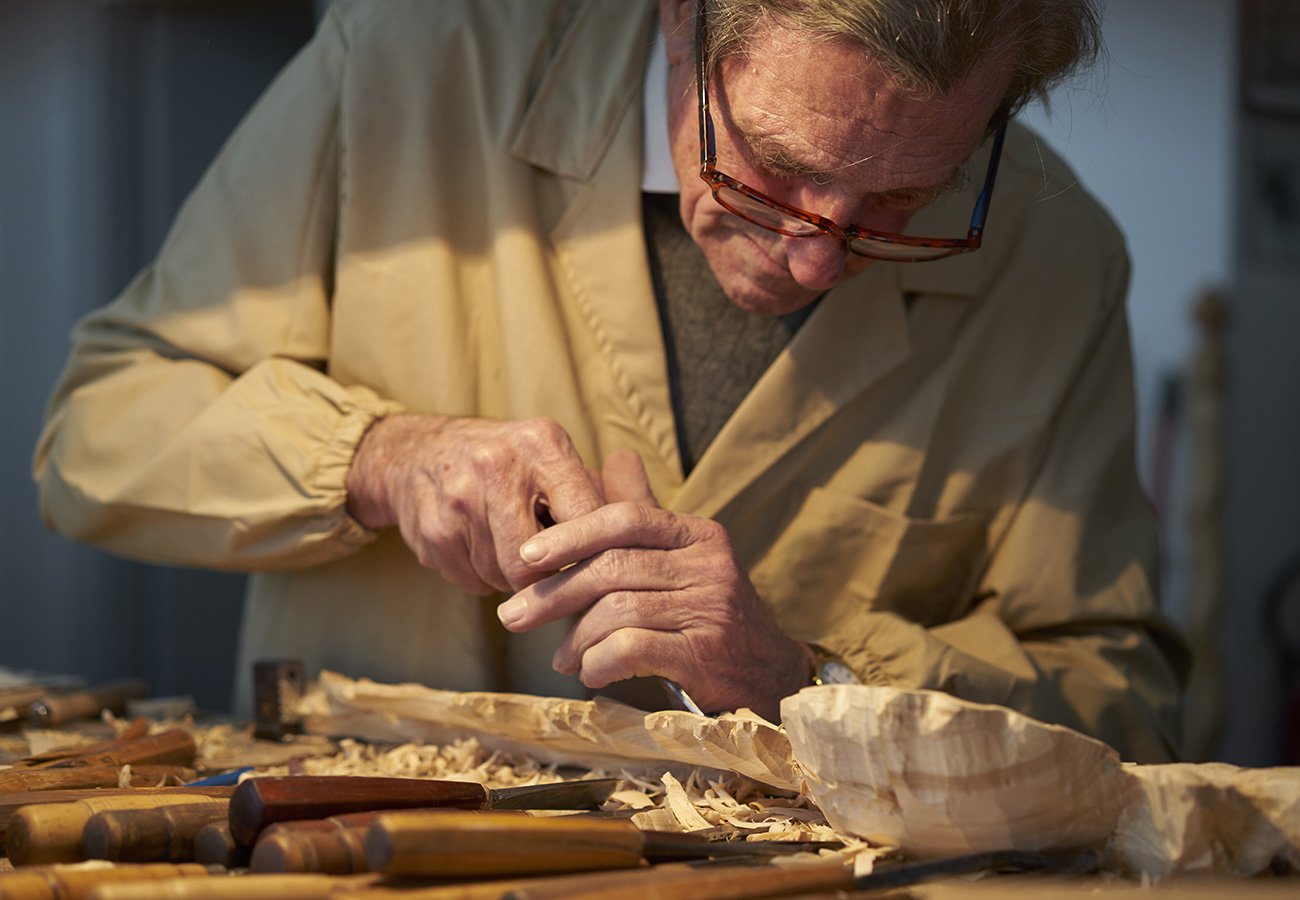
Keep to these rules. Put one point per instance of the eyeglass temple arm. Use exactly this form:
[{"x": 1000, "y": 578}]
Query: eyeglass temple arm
[{"x": 986, "y": 194}]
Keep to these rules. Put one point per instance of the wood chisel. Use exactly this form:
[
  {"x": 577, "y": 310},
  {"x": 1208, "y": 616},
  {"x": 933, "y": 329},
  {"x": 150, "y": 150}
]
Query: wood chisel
[
  {"x": 11, "y": 804},
  {"x": 52, "y": 832},
  {"x": 457, "y": 843},
  {"x": 158, "y": 834},
  {"x": 58, "y": 709},
  {"x": 259, "y": 802}
]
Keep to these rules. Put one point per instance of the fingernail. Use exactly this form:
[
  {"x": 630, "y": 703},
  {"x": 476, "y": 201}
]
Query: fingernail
[
  {"x": 512, "y": 610},
  {"x": 532, "y": 552}
]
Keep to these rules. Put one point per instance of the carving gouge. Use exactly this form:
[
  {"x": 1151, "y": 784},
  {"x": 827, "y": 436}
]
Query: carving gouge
[
  {"x": 158, "y": 834},
  {"x": 77, "y": 882},
  {"x": 258, "y": 802},
  {"x": 12, "y": 803},
  {"x": 214, "y": 846},
  {"x": 52, "y": 832},
  {"x": 57, "y": 709},
  {"x": 456, "y": 843}
]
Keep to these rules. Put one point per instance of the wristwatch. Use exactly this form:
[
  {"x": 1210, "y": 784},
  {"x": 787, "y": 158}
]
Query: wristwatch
[{"x": 830, "y": 669}]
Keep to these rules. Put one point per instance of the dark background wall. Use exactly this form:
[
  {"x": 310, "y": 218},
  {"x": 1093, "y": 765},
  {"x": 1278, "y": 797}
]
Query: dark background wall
[
  {"x": 111, "y": 109},
  {"x": 109, "y": 112}
]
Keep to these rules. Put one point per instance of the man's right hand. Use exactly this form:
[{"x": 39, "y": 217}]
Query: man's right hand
[{"x": 466, "y": 493}]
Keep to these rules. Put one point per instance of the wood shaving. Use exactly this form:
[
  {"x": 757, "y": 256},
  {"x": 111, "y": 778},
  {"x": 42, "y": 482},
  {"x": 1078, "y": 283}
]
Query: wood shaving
[{"x": 682, "y": 808}]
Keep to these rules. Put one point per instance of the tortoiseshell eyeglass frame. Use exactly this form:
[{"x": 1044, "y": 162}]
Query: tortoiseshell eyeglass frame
[{"x": 731, "y": 193}]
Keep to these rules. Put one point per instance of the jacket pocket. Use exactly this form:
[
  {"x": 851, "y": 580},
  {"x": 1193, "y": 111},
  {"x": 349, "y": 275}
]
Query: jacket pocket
[{"x": 841, "y": 555}]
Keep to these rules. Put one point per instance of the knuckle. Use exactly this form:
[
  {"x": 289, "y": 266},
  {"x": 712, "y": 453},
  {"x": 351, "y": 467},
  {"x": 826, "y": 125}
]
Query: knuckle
[
  {"x": 543, "y": 432},
  {"x": 631, "y": 517},
  {"x": 624, "y": 646},
  {"x": 711, "y": 531},
  {"x": 434, "y": 538},
  {"x": 486, "y": 457}
]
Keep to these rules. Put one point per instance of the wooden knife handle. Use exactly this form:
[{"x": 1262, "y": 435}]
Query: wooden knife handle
[
  {"x": 315, "y": 845},
  {"x": 11, "y": 804},
  {"x": 65, "y": 883},
  {"x": 292, "y": 886},
  {"x": 259, "y": 802},
  {"x": 89, "y": 777},
  {"x": 137, "y": 728},
  {"x": 214, "y": 846},
  {"x": 456, "y": 843},
  {"x": 57, "y": 709},
  {"x": 175, "y": 747},
  {"x": 163, "y": 834},
  {"x": 51, "y": 832},
  {"x": 681, "y": 881}
]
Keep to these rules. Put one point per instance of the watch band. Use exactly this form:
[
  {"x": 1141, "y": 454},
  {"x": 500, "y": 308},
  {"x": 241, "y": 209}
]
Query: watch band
[{"x": 830, "y": 669}]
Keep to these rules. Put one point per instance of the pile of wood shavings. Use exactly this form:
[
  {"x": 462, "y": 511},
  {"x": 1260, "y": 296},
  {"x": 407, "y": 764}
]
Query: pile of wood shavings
[
  {"x": 462, "y": 760},
  {"x": 732, "y": 806}
]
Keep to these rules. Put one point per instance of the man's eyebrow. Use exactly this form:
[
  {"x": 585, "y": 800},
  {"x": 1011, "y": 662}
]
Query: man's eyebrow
[{"x": 773, "y": 155}]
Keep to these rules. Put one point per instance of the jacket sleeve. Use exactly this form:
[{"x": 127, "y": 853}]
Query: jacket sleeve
[
  {"x": 1064, "y": 624},
  {"x": 194, "y": 423}
]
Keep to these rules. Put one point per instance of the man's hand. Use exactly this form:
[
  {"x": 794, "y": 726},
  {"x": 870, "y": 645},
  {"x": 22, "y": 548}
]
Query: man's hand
[
  {"x": 657, "y": 593},
  {"x": 466, "y": 493}
]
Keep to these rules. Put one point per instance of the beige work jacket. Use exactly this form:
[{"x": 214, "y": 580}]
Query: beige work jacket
[{"x": 436, "y": 208}]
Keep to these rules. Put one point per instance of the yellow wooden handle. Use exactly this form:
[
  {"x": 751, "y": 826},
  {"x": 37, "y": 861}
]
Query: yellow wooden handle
[
  {"x": 74, "y": 882},
  {"x": 294, "y": 886},
  {"x": 158, "y": 834},
  {"x": 51, "y": 833},
  {"x": 464, "y": 843}
]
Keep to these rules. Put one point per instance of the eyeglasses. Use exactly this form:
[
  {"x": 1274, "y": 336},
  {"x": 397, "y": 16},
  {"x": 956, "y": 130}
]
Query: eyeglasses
[{"x": 767, "y": 212}]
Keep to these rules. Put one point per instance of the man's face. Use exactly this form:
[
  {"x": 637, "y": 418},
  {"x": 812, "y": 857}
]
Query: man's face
[{"x": 822, "y": 128}]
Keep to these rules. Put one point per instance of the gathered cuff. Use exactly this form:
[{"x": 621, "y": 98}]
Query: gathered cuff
[{"x": 329, "y": 477}]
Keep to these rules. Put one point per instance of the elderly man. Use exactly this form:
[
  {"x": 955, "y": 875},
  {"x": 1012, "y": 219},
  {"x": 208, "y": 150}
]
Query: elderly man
[{"x": 698, "y": 348}]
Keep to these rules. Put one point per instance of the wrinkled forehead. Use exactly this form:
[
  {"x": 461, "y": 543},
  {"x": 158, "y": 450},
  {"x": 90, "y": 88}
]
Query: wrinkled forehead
[{"x": 832, "y": 90}]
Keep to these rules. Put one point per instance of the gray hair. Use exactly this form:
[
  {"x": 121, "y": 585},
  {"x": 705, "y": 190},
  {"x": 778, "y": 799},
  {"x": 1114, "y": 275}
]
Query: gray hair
[{"x": 930, "y": 46}]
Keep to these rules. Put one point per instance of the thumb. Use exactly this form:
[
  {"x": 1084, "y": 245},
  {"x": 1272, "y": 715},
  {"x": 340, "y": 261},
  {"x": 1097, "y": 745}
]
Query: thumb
[{"x": 624, "y": 478}]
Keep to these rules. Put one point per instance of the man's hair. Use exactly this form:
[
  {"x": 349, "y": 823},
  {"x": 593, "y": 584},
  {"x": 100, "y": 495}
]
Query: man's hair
[{"x": 929, "y": 46}]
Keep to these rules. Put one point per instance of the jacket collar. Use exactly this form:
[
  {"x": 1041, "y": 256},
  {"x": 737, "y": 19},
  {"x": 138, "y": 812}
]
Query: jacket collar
[{"x": 570, "y": 138}]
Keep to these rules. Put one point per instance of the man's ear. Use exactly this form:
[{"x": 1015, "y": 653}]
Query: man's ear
[{"x": 677, "y": 19}]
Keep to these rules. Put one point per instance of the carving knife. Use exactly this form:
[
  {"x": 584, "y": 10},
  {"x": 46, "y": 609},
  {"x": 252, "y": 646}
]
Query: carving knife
[
  {"x": 58, "y": 709},
  {"x": 453, "y": 843},
  {"x": 258, "y": 802}
]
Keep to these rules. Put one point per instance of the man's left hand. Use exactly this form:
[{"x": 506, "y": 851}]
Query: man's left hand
[{"x": 656, "y": 593}]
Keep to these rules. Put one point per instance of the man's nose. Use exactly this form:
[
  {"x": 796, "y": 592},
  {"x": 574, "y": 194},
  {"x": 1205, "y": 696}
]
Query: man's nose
[{"x": 817, "y": 262}]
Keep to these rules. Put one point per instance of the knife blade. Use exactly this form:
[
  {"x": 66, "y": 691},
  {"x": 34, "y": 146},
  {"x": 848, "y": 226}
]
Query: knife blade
[{"x": 257, "y": 802}]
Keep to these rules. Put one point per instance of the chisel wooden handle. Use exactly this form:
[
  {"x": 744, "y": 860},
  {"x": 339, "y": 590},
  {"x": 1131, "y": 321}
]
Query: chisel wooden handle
[
  {"x": 17, "y": 701},
  {"x": 294, "y": 886},
  {"x": 10, "y": 804},
  {"x": 76, "y": 882},
  {"x": 137, "y": 728},
  {"x": 89, "y": 777},
  {"x": 456, "y": 843},
  {"x": 51, "y": 832},
  {"x": 259, "y": 802},
  {"x": 333, "y": 846},
  {"x": 175, "y": 747},
  {"x": 57, "y": 709},
  {"x": 678, "y": 881},
  {"x": 161, "y": 834},
  {"x": 214, "y": 846}
]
